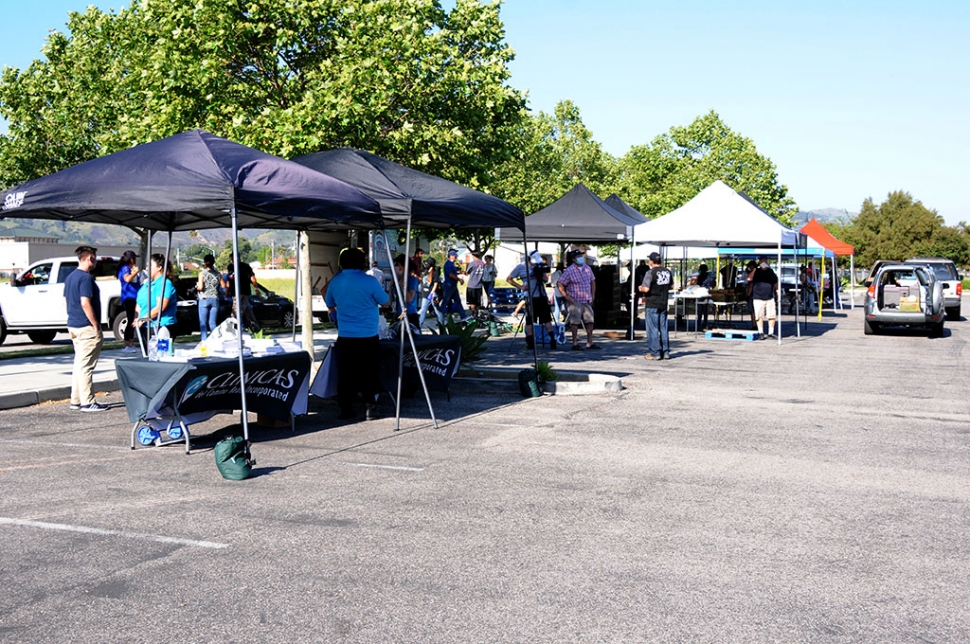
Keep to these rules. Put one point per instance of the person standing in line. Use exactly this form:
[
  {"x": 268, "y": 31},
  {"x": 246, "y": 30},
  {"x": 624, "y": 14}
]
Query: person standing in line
[
  {"x": 577, "y": 285},
  {"x": 539, "y": 311},
  {"x": 376, "y": 272},
  {"x": 354, "y": 300},
  {"x": 246, "y": 284},
  {"x": 417, "y": 261},
  {"x": 449, "y": 292},
  {"x": 208, "y": 298},
  {"x": 489, "y": 276},
  {"x": 656, "y": 286},
  {"x": 130, "y": 278},
  {"x": 430, "y": 284},
  {"x": 638, "y": 273},
  {"x": 704, "y": 279},
  {"x": 164, "y": 305},
  {"x": 84, "y": 325},
  {"x": 763, "y": 287},
  {"x": 410, "y": 286},
  {"x": 476, "y": 275},
  {"x": 748, "y": 276}
]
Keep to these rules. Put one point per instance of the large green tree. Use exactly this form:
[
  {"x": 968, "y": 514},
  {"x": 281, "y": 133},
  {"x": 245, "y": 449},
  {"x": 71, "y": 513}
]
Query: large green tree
[
  {"x": 554, "y": 153},
  {"x": 663, "y": 175},
  {"x": 405, "y": 79},
  {"x": 901, "y": 227}
]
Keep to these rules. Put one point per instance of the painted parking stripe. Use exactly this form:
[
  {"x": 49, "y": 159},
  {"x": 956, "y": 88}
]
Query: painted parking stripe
[
  {"x": 114, "y": 533},
  {"x": 402, "y": 468}
]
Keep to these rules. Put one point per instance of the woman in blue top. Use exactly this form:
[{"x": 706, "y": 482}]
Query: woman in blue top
[
  {"x": 130, "y": 278},
  {"x": 164, "y": 299}
]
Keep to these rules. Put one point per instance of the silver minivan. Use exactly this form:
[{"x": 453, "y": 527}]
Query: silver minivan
[
  {"x": 946, "y": 273},
  {"x": 903, "y": 294}
]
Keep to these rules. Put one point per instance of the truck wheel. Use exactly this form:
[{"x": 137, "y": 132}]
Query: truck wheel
[
  {"x": 872, "y": 328},
  {"x": 118, "y": 325},
  {"x": 953, "y": 314},
  {"x": 41, "y": 337},
  {"x": 3, "y": 330},
  {"x": 936, "y": 330}
]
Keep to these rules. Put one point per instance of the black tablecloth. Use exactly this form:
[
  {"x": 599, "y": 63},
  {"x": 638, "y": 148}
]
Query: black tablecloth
[
  {"x": 276, "y": 385},
  {"x": 440, "y": 357}
]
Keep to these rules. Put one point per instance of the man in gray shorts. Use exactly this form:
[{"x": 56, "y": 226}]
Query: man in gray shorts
[{"x": 577, "y": 285}]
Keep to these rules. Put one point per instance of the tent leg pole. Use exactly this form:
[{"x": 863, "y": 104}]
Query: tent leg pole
[
  {"x": 528, "y": 302},
  {"x": 148, "y": 271},
  {"x": 778, "y": 312},
  {"x": 633, "y": 286},
  {"x": 297, "y": 291},
  {"x": 239, "y": 332},
  {"x": 852, "y": 281}
]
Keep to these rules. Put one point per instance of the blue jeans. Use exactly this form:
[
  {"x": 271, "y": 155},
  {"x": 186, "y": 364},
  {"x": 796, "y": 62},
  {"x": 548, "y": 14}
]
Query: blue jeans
[
  {"x": 450, "y": 294},
  {"x": 208, "y": 312},
  {"x": 658, "y": 336}
]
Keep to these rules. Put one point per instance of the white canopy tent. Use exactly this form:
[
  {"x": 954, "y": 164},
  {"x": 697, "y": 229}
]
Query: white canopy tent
[{"x": 720, "y": 217}]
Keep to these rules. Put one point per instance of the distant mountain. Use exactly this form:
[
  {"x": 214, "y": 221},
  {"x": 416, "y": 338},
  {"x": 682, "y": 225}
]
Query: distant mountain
[
  {"x": 824, "y": 215},
  {"x": 109, "y": 235}
]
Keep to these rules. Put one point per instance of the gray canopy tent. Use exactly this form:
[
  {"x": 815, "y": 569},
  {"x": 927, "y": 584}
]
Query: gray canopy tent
[
  {"x": 191, "y": 181},
  {"x": 579, "y": 216}
]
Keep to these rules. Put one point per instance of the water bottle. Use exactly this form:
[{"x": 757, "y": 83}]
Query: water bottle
[
  {"x": 165, "y": 345},
  {"x": 153, "y": 349}
]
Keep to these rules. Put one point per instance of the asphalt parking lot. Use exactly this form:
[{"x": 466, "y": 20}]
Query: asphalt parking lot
[{"x": 817, "y": 491}]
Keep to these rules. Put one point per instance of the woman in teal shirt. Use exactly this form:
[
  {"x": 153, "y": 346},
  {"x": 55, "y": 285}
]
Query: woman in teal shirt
[{"x": 164, "y": 299}]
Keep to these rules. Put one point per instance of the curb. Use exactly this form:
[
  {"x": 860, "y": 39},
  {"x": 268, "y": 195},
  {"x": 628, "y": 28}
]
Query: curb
[{"x": 28, "y": 398}]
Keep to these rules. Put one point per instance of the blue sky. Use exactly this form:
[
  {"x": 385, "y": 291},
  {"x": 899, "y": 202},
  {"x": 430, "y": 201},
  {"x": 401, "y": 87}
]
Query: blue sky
[{"x": 850, "y": 99}]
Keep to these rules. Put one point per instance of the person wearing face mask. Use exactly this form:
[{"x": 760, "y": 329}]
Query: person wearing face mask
[
  {"x": 577, "y": 285},
  {"x": 763, "y": 287}
]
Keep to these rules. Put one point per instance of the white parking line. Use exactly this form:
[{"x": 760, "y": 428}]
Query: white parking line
[
  {"x": 386, "y": 467},
  {"x": 115, "y": 533},
  {"x": 16, "y": 441}
]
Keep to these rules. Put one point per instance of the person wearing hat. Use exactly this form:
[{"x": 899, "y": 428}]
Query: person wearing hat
[
  {"x": 539, "y": 311},
  {"x": 449, "y": 291},
  {"x": 577, "y": 285},
  {"x": 476, "y": 275},
  {"x": 208, "y": 298},
  {"x": 130, "y": 277},
  {"x": 656, "y": 285}
]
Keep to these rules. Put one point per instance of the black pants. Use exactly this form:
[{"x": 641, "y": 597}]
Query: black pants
[
  {"x": 357, "y": 365},
  {"x": 129, "y": 305}
]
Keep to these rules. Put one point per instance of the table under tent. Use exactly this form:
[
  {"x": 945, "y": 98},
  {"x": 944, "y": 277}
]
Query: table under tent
[{"x": 719, "y": 217}]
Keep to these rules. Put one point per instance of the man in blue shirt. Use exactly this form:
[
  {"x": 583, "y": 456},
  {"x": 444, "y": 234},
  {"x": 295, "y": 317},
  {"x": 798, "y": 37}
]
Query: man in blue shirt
[
  {"x": 449, "y": 291},
  {"x": 354, "y": 299},
  {"x": 84, "y": 325}
]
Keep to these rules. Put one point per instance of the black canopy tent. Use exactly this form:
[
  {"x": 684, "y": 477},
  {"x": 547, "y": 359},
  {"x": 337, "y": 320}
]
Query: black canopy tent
[
  {"x": 580, "y": 216},
  {"x": 409, "y": 197},
  {"x": 191, "y": 181}
]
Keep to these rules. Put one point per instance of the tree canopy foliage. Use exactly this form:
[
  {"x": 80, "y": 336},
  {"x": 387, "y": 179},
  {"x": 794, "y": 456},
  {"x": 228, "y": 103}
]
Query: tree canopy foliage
[
  {"x": 553, "y": 153},
  {"x": 404, "y": 79},
  {"x": 663, "y": 175},
  {"x": 902, "y": 227}
]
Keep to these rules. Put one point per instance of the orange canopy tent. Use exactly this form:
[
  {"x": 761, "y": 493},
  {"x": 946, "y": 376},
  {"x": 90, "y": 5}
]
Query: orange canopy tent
[{"x": 817, "y": 231}]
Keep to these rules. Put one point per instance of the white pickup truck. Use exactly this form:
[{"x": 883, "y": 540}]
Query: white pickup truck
[{"x": 33, "y": 302}]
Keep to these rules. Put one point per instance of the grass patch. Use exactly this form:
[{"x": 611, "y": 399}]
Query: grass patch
[{"x": 281, "y": 285}]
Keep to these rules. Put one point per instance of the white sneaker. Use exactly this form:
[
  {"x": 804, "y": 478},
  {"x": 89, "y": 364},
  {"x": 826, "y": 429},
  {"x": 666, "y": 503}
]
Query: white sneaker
[{"x": 128, "y": 349}]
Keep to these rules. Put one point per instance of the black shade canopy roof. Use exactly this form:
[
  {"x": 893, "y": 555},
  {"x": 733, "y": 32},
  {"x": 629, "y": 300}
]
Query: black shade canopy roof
[
  {"x": 578, "y": 216},
  {"x": 617, "y": 204},
  {"x": 431, "y": 202},
  {"x": 192, "y": 181}
]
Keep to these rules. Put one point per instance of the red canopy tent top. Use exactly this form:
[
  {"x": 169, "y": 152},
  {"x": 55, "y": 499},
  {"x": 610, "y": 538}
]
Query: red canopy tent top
[{"x": 817, "y": 231}]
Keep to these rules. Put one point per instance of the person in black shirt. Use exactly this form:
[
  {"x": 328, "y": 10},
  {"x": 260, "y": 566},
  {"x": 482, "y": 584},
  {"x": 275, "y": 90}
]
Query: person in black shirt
[
  {"x": 763, "y": 287},
  {"x": 656, "y": 284}
]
